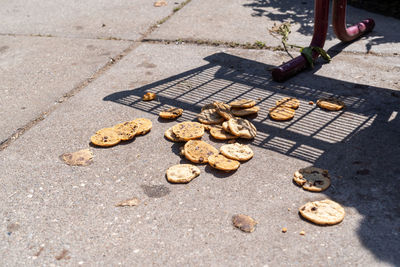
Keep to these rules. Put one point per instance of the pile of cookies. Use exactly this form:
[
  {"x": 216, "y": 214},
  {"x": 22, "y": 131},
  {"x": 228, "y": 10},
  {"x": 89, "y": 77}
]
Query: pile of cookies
[
  {"x": 220, "y": 120},
  {"x": 124, "y": 131},
  {"x": 325, "y": 212}
]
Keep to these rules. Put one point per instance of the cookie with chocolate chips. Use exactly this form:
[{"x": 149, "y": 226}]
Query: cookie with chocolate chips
[
  {"x": 332, "y": 104},
  {"x": 312, "y": 179},
  {"x": 223, "y": 163},
  {"x": 182, "y": 173},
  {"x": 324, "y": 212},
  {"x": 198, "y": 151},
  {"x": 188, "y": 130},
  {"x": 224, "y": 110},
  {"x": 105, "y": 137},
  {"x": 171, "y": 113},
  {"x": 210, "y": 116}
]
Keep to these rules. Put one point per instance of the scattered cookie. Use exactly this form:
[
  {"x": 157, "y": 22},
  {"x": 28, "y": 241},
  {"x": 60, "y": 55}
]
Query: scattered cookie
[
  {"x": 240, "y": 112},
  {"x": 288, "y": 102},
  {"x": 224, "y": 110},
  {"x": 284, "y": 230},
  {"x": 242, "y": 128},
  {"x": 169, "y": 134},
  {"x": 324, "y": 212},
  {"x": 188, "y": 130},
  {"x": 244, "y": 223},
  {"x": 281, "y": 113},
  {"x": 221, "y": 134},
  {"x": 311, "y": 103},
  {"x": 171, "y": 113},
  {"x": 237, "y": 151},
  {"x": 243, "y": 103},
  {"x": 105, "y": 137},
  {"x": 223, "y": 163},
  {"x": 312, "y": 179},
  {"x": 182, "y": 173},
  {"x": 332, "y": 104},
  {"x": 210, "y": 116},
  {"x": 302, "y": 233},
  {"x": 145, "y": 125},
  {"x": 129, "y": 202},
  {"x": 126, "y": 130},
  {"x": 79, "y": 158},
  {"x": 198, "y": 151},
  {"x": 149, "y": 96}
]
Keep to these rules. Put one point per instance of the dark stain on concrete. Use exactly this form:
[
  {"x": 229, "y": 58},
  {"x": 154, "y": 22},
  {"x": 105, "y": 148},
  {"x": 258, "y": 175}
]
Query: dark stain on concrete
[
  {"x": 91, "y": 47},
  {"x": 78, "y": 28},
  {"x": 147, "y": 65},
  {"x": 4, "y": 48},
  {"x": 155, "y": 191},
  {"x": 13, "y": 227}
]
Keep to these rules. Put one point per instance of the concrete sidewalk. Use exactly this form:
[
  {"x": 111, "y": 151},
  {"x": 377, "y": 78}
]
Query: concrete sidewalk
[{"x": 72, "y": 68}]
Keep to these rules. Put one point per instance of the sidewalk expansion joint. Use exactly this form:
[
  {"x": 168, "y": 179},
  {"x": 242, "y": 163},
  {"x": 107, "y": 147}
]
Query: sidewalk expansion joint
[
  {"x": 20, "y": 131},
  {"x": 255, "y": 46}
]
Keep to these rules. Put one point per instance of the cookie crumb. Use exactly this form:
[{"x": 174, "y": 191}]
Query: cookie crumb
[
  {"x": 289, "y": 209},
  {"x": 284, "y": 230},
  {"x": 302, "y": 233},
  {"x": 311, "y": 103}
]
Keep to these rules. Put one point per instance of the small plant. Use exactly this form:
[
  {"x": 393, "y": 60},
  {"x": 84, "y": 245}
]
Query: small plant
[
  {"x": 283, "y": 31},
  {"x": 259, "y": 44}
]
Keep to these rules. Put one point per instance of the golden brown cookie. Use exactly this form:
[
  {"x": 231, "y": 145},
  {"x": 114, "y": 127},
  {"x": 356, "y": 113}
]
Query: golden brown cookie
[
  {"x": 182, "y": 173},
  {"x": 169, "y": 134},
  {"x": 312, "y": 179},
  {"x": 324, "y": 212},
  {"x": 242, "y": 103},
  {"x": 244, "y": 223},
  {"x": 145, "y": 125},
  {"x": 198, "y": 151},
  {"x": 210, "y": 116},
  {"x": 225, "y": 126},
  {"x": 242, "y": 128},
  {"x": 237, "y": 151},
  {"x": 221, "y": 134},
  {"x": 149, "y": 96},
  {"x": 79, "y": 158},
  {"x": 188, "y": 130},
  {"x": 208, "y": 106},
  {"x": 223, "y": 163},
  {"x": 105, "y": 137},
  {"x": 240, "y": 112},
  {"x": 281, "y": 113},
  {"x": 224, "y": 110},
  {"x": 126, "y": 130},
  {"x": 171, "y": 113},
  {"x": 288, "y": 102},
  {"x": 330, "y": 104}
]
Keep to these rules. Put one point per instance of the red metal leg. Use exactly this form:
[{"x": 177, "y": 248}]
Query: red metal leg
[
  {"x": 321, "y": 9},
  {"x": 339, "y": 23},
  {"x": 288, "y": 69}
]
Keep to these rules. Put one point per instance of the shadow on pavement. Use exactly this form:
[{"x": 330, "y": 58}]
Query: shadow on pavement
[
  {"x": 359, "y": 145},
  {"x": 302, "y": 13}
]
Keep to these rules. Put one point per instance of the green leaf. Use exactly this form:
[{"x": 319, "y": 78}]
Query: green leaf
[
  {"x": 307, "y": 52},
  {"x": 322, "y": 52}
]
